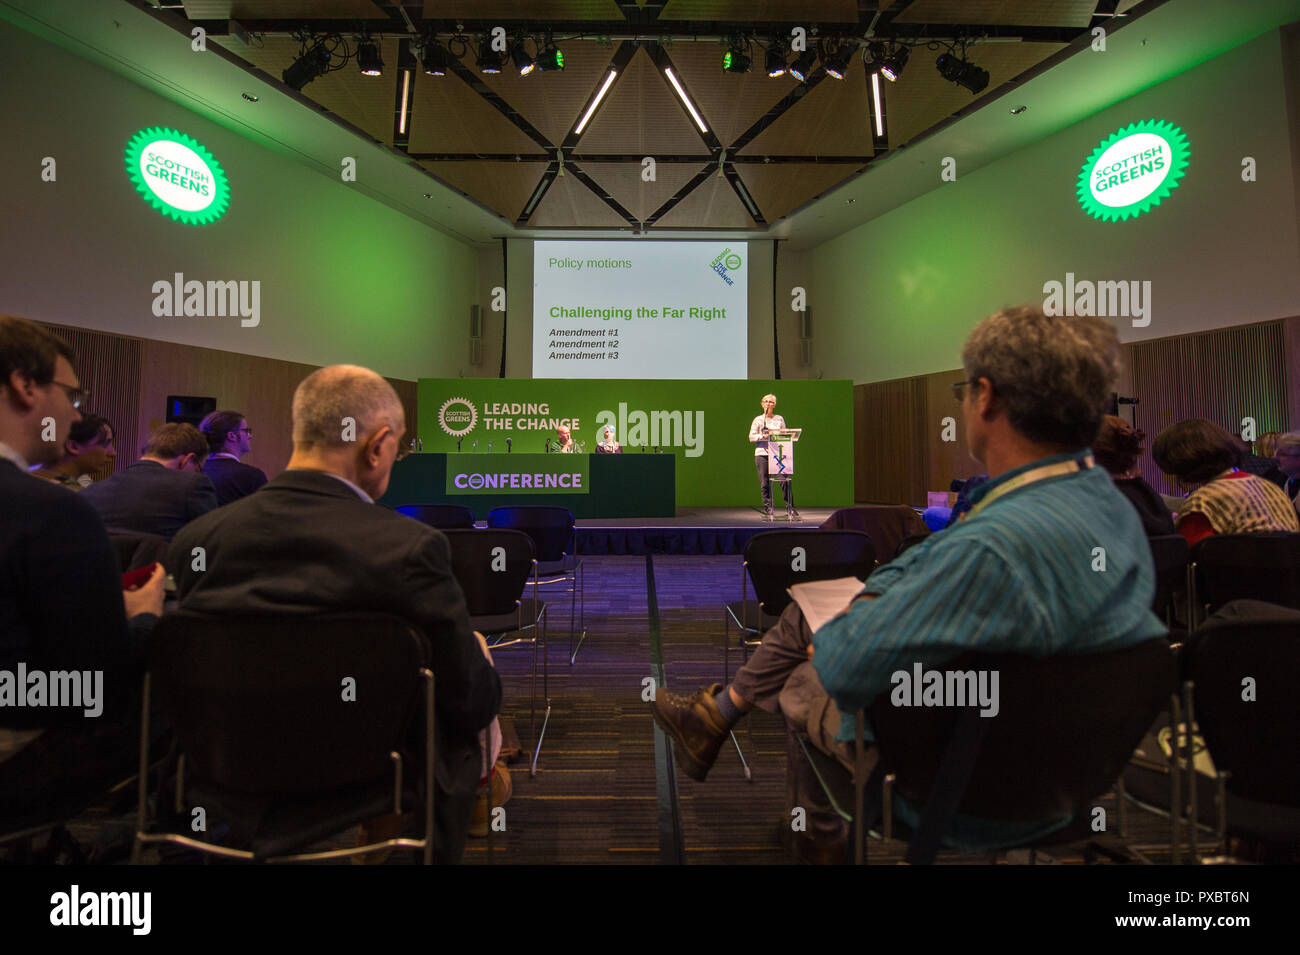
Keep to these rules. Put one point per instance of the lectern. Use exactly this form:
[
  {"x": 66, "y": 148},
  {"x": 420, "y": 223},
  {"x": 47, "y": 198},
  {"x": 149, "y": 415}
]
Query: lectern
[{"x": 780, "y": 453}]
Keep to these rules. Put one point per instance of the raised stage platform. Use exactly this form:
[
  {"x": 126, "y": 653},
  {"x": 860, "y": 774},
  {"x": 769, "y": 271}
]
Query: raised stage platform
[{"x": 694, "y": 530}]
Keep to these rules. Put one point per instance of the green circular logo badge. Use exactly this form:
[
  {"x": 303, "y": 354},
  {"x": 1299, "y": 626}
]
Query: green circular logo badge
[
  {"x": 177, "y": 175},
  {"x": 1132, "y": 170},
  {"x": 732, "y": 262},
  {"x": 457, "y": 417}
]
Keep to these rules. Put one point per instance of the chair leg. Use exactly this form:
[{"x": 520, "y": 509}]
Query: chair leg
[
  {"x": 142, "y": 799},
  {"x": 1194, "y": 818},
  {"x": 744, "y": 764}
]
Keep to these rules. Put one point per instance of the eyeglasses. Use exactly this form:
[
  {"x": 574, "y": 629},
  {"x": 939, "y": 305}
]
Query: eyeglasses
[
  {"x": 959, "y": 388},
  {"x": 247, "y": 431},
  {"x": 78, "y": 396}
]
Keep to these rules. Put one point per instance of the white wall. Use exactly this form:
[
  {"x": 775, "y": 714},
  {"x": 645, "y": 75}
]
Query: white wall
[
  {"x": 897, "y": 296},
  {"x": 343, "y": 278}
]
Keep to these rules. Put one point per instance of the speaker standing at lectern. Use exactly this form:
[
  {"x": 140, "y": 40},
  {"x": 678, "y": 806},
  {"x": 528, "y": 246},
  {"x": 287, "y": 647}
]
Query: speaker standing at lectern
[{"x": 759, "y": 431}]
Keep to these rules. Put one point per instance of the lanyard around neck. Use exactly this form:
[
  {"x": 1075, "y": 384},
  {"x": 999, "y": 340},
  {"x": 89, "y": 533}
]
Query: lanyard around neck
[{"x": 1030, "y": 477}]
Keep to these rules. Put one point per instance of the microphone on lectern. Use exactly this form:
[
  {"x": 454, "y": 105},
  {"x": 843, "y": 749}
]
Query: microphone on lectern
[
  {"x": 458, "y": 441},
  {"x": 508, "y": 449}
]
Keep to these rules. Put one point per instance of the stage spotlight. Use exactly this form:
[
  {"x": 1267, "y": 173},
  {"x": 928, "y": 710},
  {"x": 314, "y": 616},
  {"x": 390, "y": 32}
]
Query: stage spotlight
[
  {"x": 435, "y": 56},
  {"x": 735, "y": 60},
  {"x": 307, "y": 67},
  {"x": 837, "y": 64},
  {"x": 522, "y": 61},
  {"x": 803, "y": 66},
  {"x": 892, "y": 65},
  {"x": 956, "y": 70},
  {"x": 489, "y": 60},
  {"x": 550, "y": 59},
  {"x": 776, "y": 60},
  {"x": 368, "y": 59}
]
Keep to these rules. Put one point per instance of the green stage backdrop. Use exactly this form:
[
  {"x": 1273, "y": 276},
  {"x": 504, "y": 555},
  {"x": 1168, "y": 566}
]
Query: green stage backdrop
[{"x": 704, "y": 423}]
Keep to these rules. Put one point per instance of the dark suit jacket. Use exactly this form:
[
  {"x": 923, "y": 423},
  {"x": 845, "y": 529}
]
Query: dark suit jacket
[
  {"x": 148, "y": 498},
  {"x": 306, "y": 543},
  {"x": 233, "y": 479},
  {"x": 61, "y": 596}
]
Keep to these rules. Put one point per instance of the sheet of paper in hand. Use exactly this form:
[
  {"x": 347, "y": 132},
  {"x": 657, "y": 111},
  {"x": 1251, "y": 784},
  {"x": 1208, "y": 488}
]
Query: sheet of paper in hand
[{"x": 820, "y": 600}]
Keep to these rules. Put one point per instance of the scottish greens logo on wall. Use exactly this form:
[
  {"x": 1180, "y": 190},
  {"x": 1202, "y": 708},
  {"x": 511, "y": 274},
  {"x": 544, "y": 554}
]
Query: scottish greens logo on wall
[
  {"x": 1132, "y": 170},
  {"x": 177, "y": 175}
]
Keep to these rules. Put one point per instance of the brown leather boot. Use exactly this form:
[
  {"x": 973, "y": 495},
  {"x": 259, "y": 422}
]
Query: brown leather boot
[
  {"x": 502, "y": 787},
  {"x": 695, "y": 725}
]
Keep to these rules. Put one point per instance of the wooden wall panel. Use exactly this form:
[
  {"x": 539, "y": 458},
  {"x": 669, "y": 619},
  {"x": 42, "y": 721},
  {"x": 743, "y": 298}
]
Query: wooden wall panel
[
  {"x": 889, "y": 446},
  {"x": 131, "y": 378},
  {"x": 260, "y": 388},
  {"x": 1224, "y": 375},
  {"x": 109, "y": 365}
]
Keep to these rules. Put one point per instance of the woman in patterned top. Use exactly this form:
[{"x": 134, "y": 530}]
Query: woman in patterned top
[{"x": 1228, "y": 500}]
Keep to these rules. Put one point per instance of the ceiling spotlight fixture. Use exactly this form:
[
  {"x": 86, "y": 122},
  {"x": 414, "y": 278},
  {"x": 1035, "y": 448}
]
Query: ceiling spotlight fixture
[
  {"x": 736, "y": 60},
  {"x": 837, "y": 64},
  {"x": 550, "y": 59},
  {"x": 522, "y": 61},
  {"x": 803, "y": 66},
  {"x": 307, "y": 67},
  {"x": 252, "y": 98},
  {"x": 435, "y": 57},
  {"x": 776, "y": 59},
  {"x": 959, "y": 71},
  {"x": 894, "y": 61},
  {"x": 368, "y": 59},
  {"x": 1017, "y": 110},
  {"x": 489, "y": 60}
]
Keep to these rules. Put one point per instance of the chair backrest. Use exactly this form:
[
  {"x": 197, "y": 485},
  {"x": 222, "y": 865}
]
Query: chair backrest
[
  {"x": 441, "y": 516},
  {"x": 1064, "y": 729},
  {"x": 1245, "y": 677},
  {"x": 908, "y": 542},
  {"x": 888, "y": 525},
  {"x": 1256, "y": 566},
  {"x": 138, "y": 550},
  {"x": 1169, "y": 554},
  {"x": 287, "y": 704},
  {"x": 779, "y": 559},
  {"x": 551, "y": 527},
  {"x": 492, "y": 567}
]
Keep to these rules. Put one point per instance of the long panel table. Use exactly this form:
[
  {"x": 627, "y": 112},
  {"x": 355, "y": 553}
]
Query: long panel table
[{"x": 633, "y": 484}]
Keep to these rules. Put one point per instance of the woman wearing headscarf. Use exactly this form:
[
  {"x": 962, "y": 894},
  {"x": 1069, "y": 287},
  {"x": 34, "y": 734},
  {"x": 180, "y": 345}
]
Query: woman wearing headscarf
[{"x": 608, "y": 444}]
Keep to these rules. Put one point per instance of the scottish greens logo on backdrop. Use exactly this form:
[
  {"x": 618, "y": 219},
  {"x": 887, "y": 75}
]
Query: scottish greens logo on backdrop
[
  {"x": 457, "y": 417},
  {"x": 1133, "y": 170},
  {"x": 177, "y": 175}
]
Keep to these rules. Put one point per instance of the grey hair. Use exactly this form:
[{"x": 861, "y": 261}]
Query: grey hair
[
  {"x": 765, "y": 397},
  {"x": 1053, "y": 374},
  {"x": 329, "y": 395}
]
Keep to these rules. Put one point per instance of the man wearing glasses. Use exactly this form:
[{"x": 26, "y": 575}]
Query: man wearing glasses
[
  {"x": 62, "y": 607},
  {"x": 229, "y": 439},
  {"x": 1014, "y": 576}
]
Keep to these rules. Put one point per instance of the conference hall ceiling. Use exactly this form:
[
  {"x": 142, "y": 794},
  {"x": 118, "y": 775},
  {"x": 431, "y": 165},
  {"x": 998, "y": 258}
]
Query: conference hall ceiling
[{"x": 768, "y": 145}]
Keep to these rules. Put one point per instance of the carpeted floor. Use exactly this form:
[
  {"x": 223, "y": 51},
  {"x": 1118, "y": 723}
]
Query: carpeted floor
[{"x": 601, "y": 794}]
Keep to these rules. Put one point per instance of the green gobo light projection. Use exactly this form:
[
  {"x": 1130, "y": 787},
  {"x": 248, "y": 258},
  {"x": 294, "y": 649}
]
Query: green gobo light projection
[
  {"x": 1132, "y": 170},
  {"x": 177, "y": 175}
]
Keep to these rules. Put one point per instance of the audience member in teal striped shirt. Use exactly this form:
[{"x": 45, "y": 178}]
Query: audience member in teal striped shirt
[
  {"x": 1050, "y": 560},
  {"x": 1015, "y": 577}
]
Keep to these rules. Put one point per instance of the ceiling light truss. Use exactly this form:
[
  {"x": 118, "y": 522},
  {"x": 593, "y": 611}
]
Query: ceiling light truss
[{"x": 442, "y": 44}]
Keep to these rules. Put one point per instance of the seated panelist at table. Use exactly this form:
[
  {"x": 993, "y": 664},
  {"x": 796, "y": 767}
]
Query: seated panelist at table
[
  {"x": 608, "y": 443},
  {"x": 563, "y": 442}
]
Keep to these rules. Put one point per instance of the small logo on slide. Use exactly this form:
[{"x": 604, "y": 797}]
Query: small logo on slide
[
  {"x": 457, "y": 417},
  {"x": 726, "y": 261}
]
